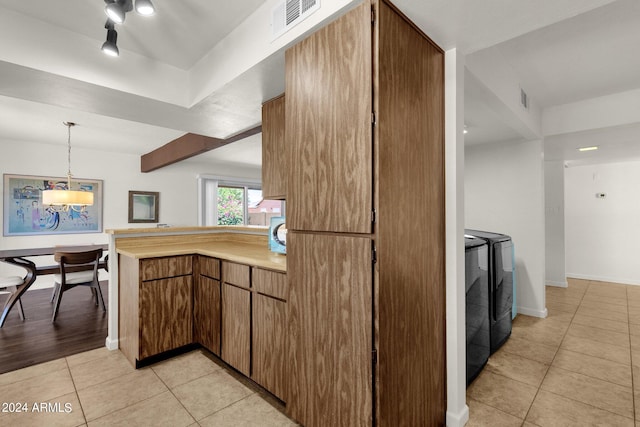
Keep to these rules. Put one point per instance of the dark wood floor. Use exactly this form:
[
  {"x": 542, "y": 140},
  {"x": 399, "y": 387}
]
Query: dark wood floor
[{"x": 80, "y": 326}]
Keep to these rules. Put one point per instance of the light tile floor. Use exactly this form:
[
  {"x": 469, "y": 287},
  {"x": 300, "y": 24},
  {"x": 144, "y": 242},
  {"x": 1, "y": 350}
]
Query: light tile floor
[
  {"x": 100, "y": 388},
  {"x": 578, "y": 367}
]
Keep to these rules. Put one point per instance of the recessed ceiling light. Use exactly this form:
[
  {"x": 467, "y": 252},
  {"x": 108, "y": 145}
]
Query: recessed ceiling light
[
  {"x": 592, "y": 148},
  {"x": 465, "y": 131}
]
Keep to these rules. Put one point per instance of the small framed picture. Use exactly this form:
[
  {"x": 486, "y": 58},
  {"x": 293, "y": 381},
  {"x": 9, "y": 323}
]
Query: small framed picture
[{"x": 144, "y": 206}]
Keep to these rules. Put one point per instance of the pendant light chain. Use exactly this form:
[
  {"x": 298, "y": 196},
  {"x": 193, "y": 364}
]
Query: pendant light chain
[{"x": 69, "y": 124}]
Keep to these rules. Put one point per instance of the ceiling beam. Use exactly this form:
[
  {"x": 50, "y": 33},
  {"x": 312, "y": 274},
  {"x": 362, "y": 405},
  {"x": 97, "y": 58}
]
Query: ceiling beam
[{"x": 188, "y": 145}]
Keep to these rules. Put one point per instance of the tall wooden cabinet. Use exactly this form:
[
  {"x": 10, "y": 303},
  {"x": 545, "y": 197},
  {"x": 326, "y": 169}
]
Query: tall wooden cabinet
[{"x": 365, "y": 198}]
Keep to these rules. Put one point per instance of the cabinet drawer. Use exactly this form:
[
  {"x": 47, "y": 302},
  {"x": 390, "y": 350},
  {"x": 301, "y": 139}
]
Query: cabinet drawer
[
  {"x": 161, "y": 268},
  {"x": 270, "y": 283},
  {"x": 210, "y": 267},
  {"x": 235, "y": 274}
]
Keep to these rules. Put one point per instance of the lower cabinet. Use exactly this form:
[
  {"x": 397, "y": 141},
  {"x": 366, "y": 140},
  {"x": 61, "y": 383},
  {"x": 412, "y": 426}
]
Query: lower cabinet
[
  {"x": 235, "y": 311},
  {"x": 165, "y": 315},
  {"x": 268, "y": 343},
  {"x": 236, "y": 327},
  {"x": 156, "y": 305},
  {"x": 207, "y": 302},
  {"x": 253, "y": 324}
]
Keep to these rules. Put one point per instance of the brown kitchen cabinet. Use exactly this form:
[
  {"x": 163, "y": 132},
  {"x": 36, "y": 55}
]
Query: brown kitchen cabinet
[
  {"x": 274, "y": 168},
  {"x": 364, "y": 129},
  {"x": 156, "y": 305},
  {"x": 207, "y": 301},
  {"x": 236, "y": 316},
  {"x": 330, "y": 325},
  {"x": 268, "y": 337}
]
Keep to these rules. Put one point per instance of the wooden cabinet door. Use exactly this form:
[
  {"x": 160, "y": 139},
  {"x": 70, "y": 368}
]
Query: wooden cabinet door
[
  {"x": 236, "y": 327},
  {"x": 274, "y": 168},
  {"x": 207, "y": 314},
  {"x": 330, "y": 330},
  {"x": 166, "y": 313},
  {"x": 268, "y": 343},
  {"x": 328, "y": 127}
]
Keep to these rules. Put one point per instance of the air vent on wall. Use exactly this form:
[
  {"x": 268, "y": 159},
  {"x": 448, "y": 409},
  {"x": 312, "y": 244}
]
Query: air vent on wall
[{"x": 289, "y": 13}]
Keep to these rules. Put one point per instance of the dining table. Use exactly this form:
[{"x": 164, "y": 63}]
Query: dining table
[{"x": 20, "y": 257}]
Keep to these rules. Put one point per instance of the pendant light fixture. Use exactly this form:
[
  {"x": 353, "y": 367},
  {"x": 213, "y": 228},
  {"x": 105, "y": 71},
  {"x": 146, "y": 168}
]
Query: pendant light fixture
[
  {"x": 67, "y": 198},
  {"x": 116, "y": 11}
]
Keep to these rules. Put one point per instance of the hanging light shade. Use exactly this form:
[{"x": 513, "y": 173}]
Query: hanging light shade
[
  {"x": 145, "y": 7},
  {"x": 67, "y": 198}
]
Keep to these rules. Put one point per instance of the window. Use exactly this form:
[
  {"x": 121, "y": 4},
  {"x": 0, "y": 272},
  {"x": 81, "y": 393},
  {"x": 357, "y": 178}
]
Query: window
[{"x": 224, "y": 201}]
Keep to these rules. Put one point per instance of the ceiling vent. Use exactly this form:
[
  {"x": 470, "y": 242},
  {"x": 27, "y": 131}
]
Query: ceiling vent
[{"x": 289, "y": 13}]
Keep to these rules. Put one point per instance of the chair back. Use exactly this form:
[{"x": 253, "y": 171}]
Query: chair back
[{"x": 87, "y": 258}]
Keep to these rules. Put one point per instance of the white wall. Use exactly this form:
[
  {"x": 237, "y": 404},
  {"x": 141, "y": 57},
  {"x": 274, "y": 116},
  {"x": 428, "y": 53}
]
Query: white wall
[
  {"x": 504, "y": 193},
  {"x": 554, "y": 223},
  {"x": 602, "y": 235},
  {"x": 177, "y": 185}
]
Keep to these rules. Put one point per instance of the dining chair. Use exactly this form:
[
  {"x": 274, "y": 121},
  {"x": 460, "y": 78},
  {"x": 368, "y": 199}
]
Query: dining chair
[
  {"x": 10, "y": 284},
  {"x": 67, "y": 280}
]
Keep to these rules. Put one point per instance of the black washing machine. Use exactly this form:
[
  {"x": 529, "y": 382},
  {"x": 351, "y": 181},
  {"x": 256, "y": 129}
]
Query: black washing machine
[
  {"x": 501, "y": 265},
  {"x": 477, "y": 306}
]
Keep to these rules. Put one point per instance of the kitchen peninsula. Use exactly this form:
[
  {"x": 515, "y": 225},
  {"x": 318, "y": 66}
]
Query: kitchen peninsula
[{"x": 220, "y": 287}]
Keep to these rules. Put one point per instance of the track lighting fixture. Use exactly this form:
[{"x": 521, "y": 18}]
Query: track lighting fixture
[
  {"x": 116, "y": 11},
  {"x": 110, "y": 46}
]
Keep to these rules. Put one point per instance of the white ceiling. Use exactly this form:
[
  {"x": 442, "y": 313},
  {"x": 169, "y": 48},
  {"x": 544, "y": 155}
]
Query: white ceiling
[
  {"x": 587, "y": 56},
  {"x": 179, "y": 34},
  {"x": 562, "y": 50}
]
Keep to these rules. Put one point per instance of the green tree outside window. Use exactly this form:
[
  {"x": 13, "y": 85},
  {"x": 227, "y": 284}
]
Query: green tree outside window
[{"x": 230, "y": 209}]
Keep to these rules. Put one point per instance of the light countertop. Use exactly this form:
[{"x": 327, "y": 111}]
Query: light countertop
[
  {"x": 186, "y": 230},
  {"x": 257, "y": 255}
]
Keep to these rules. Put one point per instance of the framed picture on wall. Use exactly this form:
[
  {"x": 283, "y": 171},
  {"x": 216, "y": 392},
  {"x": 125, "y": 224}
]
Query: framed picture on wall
[
  {"x": 144, "y": 206},
  {"x": 24, "y": 214}
]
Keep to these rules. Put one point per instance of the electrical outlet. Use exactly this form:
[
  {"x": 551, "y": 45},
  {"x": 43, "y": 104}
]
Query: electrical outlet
[{"x": 601, "y": 195}]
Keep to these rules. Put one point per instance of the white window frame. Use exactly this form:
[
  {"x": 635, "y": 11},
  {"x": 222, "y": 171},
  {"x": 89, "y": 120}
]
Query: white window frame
[{"x": 208, "y": 196}]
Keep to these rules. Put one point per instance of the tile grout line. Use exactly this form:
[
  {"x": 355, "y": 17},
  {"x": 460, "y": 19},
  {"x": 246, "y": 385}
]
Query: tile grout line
[
  {"x": 554, "y": 355},
  {"x": 583, "y": 403},
  {"x": 75, "y": 390},
  {"x": 173, "y": 394},
  {"x": 185, "y": 408},
  {"x": 124, "y": 407}
]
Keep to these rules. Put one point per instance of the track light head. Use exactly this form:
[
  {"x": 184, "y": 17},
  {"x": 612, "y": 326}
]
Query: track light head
[
  {"x": 115, "y": 12},
  {"x": 110, "y": 46},
  {"x": 145, "y": 7}
]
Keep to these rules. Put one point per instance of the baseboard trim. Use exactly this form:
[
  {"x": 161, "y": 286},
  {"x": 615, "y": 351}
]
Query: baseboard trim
[
  {"x": 604, "y": 279},
  {"x": 533, "y": 312},
  {"x": 557, "y": 283},
  {"x": 459, "y": 419},
  {"x": 111, "y": 344}
]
